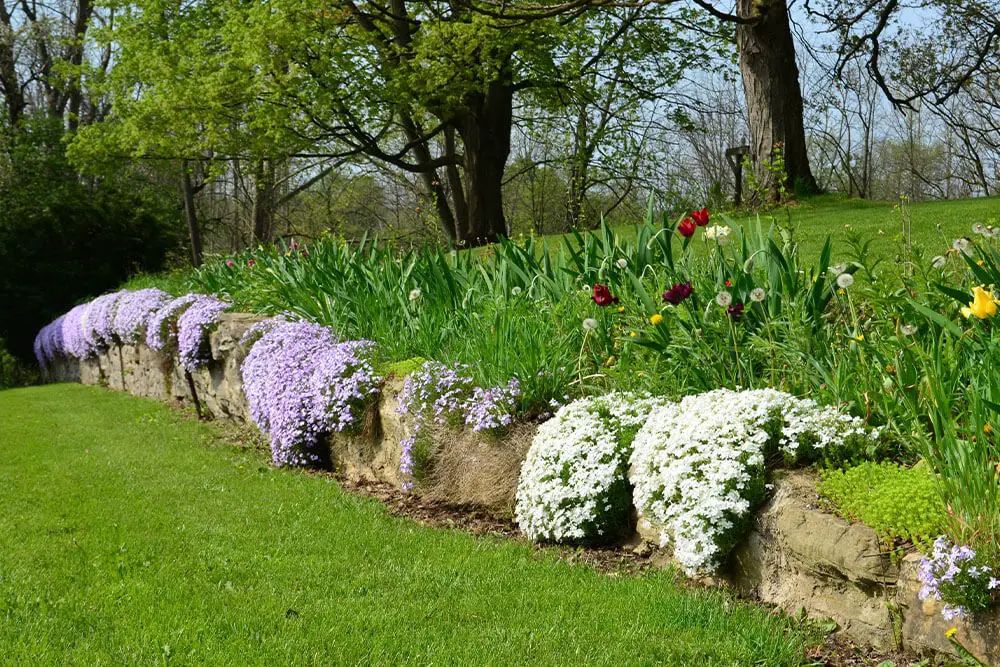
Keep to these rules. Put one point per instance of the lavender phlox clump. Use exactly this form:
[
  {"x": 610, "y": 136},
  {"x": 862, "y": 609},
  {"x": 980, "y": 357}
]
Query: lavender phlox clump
[
  {"x": 161, "y": 329},
  {"x": 99, "y": 321},
  {"x": 49, "y": 342},
  {"x": 957, "y": 576},
  {"x": 193, "y": 326},
  {"x": 133, "y": 312},
  {"x": 446, "y": 394},
  {"x": 259, "y": 329},
  {"x": 436, "y": 392},
  {"x": 492, "y": 409},
  {"x": 74, "y": 342},
  {"x": 301, "y": 384}
]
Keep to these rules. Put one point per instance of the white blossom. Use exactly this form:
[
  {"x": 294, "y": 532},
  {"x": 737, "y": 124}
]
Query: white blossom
[
  {"x": 415, "y": 294},
  {"x": 694, "y": 464},
  {"x": 939, "y": 261},
  {"x": 758, "y": 294},
  {"x": 908, "y": 329},
  {"x": 724, "y": 298},
  {"x": 621, "y": 263},
  {"x": 845, "y": 280},
  {"x": 589, "y": 324}
]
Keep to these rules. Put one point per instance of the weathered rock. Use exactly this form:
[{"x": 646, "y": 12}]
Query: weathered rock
[{"x": 373, "y": 452}]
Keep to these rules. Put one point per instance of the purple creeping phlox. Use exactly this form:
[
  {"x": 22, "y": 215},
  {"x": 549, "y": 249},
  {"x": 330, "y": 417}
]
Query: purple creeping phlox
[
  {"x": 301, "y": 384},
  {"x": 74, "y": 342},
  {"x": 49, "y": 342},
  {"x": 955, "y": 575},
  {"x": 99, "y": 322},
  {"x": 446, "y": 394},
  {"x": 161, "y": 330},
  {"x": 193, "y": 327},
  {"x": 134, "y": 311}
]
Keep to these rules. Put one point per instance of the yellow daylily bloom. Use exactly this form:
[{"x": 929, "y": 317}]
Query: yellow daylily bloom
[{"x": 983, "y": 304}]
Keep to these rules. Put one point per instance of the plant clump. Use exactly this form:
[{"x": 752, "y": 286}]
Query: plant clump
[
  {"x": 573, "y": 485},
  {"x": 302, "y": 384},
  {"x": 700, "y": 467},
  {"x": 900, "y": 504}
]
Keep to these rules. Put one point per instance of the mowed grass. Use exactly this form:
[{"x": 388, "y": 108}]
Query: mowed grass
[
  {"x": 133, "y": 536},
  {"x": 932, "y": 226}
]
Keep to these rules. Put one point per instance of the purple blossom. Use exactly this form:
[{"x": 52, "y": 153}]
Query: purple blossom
[
  {"x": 193, "y": 327},
  {"x": 492, "y": 409},
  {"x": 49, "y": 342},
  {"x": 161, "y": 329},
  {"x": 446, "y": 394},
  {"x": 955, "y": 575},
  {"x": 99, "y": 321},
  {"x": 134, "y": 312},
  {"x": 74, "y": 342},
  {"x": 301, "y": 384}
]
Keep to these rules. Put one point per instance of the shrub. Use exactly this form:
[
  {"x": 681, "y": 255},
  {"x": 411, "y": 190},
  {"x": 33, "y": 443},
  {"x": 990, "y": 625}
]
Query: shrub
[
  {"x": 700, "y": 467},
  {"x": 301, "y": 384},
  {"x": 900, "y": 504},
  {"x": 573, "y": 485}
]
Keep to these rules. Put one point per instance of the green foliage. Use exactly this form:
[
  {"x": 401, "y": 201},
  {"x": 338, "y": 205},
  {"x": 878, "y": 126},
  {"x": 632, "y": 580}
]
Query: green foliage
[
  {"x": 62, "y": 239},
  {"x": 183, "y": 549},
  {"x": 901, "y": 504}
]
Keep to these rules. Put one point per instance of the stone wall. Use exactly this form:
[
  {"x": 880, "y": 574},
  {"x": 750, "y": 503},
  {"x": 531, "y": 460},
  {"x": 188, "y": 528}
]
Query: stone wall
[{"x": 795, "y": 557}]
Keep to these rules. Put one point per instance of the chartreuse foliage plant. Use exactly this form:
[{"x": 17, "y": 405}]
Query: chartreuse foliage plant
[
  {"x": 135, "y": 536},
  {"x": 902, "y": 504}
]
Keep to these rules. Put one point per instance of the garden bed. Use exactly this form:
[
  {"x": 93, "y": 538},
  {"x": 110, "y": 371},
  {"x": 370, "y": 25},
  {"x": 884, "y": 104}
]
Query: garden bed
[{"x": 796, "y": 556}]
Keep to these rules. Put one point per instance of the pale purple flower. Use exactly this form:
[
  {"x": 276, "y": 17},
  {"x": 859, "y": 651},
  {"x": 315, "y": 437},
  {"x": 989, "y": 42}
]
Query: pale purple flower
[
  {"x": 161, "y": 327},
  {"x": 301, "y": 384},
  {"x": 193, "y": 327},
  {"x": 133, "y": 312}
]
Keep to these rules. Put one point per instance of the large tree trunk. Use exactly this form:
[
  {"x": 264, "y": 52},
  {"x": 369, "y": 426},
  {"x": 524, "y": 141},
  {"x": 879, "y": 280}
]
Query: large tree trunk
[
  {"x": 773, "y": 94},
  {"x": 10, "y": 82},
  {"x": 485, "y": 130}
]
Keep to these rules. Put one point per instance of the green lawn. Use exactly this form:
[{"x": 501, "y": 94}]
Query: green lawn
[
  {"x": 815, "y": 218},
  {"x": 131, "y": 536}
]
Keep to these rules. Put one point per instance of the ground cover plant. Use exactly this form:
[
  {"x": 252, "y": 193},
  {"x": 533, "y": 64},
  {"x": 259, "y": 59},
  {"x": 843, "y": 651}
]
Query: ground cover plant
[
  {"x": 179, "y": 547},
  {"x": 688, "y": 309}
]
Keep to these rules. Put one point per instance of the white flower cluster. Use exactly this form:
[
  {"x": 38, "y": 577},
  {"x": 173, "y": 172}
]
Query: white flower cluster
[
  {"x": 573, "y": 485},
  {"x": 698, "y": 467}
]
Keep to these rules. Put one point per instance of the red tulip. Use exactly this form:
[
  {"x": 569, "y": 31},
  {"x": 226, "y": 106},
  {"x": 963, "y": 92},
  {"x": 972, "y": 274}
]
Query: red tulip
[
  {"x": 700, "y": 217},
  {"x": 602, "y": 296},
  {"x": 686, "y": 228},
  {"x": 677, "y": 293}
]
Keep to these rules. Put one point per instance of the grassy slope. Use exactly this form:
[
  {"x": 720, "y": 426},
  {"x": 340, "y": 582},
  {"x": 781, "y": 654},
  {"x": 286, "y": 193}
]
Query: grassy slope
[
  {"x": 130, "y": 536},
  {"x": 815, "y": 218}
]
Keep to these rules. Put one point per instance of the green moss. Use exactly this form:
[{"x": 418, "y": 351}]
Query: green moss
[
  {"x": 901, "y": 504},
  {"x": 400, "y": 368}
]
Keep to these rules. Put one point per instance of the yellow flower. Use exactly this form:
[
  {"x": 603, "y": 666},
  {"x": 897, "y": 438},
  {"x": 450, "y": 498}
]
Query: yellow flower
[
  {"x": 841, "y": 291},
  {"x": 632, "y": 334},
  {"x": 656, "y": 319},
  {"x": 988, "y": 428},
  {"x": 860, "y": 338},
  {"x": 980, "y": 263},
  {"x": 621, "y": 309},
  {"x": 890, "y": 369},
  {"x": 950, "y": 632},
  {"x": 983, "y": 305}
]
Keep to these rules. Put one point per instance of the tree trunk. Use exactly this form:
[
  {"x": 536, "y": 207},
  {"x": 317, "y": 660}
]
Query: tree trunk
[
  {"x": 485, "y": 130},
  {"x": 10, "y": 82},
  {"x": 191, "y": 216},
  {"x": 773, "y": 94},
  {"x": 263, "y": 202}
]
